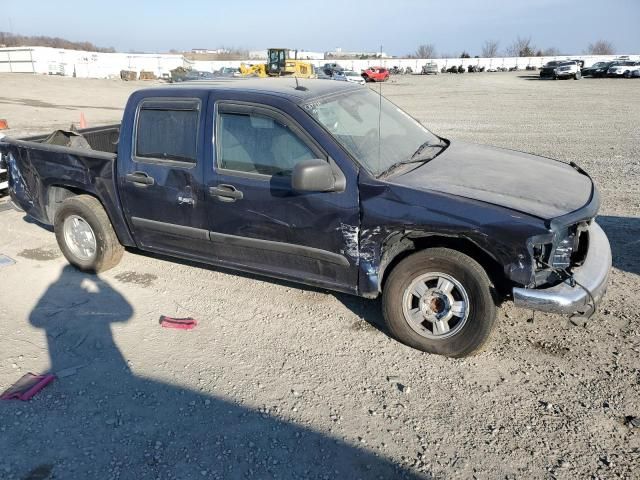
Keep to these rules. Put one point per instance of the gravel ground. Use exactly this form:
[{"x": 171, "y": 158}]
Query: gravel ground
[{"x": 280, "y": 381}]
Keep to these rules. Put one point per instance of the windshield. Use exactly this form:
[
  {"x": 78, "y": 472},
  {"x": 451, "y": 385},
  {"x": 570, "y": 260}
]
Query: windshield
[{"x": 352, "y": 119}]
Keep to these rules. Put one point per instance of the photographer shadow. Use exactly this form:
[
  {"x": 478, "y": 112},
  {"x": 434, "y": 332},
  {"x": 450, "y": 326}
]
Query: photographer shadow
[
  {"x": 624, "y": 237},
  {"x": 101, "y": 420}
]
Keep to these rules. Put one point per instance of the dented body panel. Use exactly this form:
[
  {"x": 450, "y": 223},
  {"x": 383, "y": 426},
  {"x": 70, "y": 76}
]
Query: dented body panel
[
  {"x": 34, "y": 168},
  {"x": 392, "y": 212}
]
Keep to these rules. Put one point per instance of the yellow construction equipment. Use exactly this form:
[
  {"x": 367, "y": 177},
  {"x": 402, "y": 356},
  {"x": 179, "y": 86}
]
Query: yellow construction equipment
[{"x": 281, "y": 62}]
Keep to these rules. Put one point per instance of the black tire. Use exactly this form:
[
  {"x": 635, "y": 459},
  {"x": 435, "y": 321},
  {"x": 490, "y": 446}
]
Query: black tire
[
  {"x": 108, "y": 250},
  {"x": 627, "y": 74},
  {"x": 481, "y": 310}
]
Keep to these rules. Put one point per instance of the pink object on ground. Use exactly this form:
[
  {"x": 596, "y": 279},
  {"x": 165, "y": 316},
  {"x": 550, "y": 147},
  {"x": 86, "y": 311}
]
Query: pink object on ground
[
  {"x": 25, "y": 388},
  {"x": 180, "y": 323}
]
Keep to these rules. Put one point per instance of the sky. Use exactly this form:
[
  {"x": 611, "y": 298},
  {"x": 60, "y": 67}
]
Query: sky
[{"x": 399, "y": 26}]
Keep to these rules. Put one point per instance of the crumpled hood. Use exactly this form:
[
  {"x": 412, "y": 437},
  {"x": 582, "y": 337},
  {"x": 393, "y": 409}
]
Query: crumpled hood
[{"x": 527, "y": 183}]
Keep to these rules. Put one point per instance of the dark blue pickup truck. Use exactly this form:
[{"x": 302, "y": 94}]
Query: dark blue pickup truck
[{"x": 328, "y": 184}]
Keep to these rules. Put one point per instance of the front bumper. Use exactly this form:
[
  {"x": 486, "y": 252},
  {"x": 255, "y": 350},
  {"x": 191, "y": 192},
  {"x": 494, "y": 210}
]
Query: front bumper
[{"x": 564, "y": 298}]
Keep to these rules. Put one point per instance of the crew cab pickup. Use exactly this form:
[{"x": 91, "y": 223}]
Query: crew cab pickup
[{"x": 330, "y": 185}]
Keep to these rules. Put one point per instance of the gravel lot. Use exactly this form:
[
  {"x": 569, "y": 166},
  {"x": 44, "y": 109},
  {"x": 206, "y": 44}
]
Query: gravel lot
[{"x": 280, "y": 381}]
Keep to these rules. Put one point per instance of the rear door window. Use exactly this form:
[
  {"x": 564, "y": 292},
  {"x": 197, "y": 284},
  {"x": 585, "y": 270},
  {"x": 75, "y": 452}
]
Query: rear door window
[{"x": 167, "y": 130}]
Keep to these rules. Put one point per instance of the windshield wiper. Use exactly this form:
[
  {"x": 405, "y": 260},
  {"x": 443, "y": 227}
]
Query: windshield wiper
[
  {"x": 416, "y": 157},
  {"x": 422, "y": 147}
]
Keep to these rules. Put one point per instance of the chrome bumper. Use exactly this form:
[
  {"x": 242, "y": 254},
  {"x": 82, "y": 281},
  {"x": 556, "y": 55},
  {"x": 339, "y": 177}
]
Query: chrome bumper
[{"x": 564, "y": 298}]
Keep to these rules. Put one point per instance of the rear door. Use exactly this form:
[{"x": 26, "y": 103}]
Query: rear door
[
  {"x": 257, "y": 221},
  {"x": 160, "y": 179}
]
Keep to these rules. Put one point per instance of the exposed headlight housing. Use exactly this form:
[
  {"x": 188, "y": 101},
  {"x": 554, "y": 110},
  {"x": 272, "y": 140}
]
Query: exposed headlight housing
[
  {"x": 561, "y": 257},
  {"x": 558, "y": 252}
]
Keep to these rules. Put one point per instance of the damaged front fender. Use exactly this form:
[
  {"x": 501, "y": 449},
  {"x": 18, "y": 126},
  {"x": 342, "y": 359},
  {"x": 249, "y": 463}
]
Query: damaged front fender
[{"x": 397, "y": 220}]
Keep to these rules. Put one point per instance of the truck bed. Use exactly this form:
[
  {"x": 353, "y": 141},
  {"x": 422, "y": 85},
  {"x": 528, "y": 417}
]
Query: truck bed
[
  {"x": 101, "y": 139},
  {"x": 36, "y": 165}
]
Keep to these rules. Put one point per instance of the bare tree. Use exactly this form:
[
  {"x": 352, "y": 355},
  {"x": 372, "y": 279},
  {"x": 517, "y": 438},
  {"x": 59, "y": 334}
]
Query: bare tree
[
  {"x": 16, "y": 40},
  {"x": 601, "y": 47},
  {"x": 549, "y": 52},
  {"x": 490, "y": 48},
  {"x": 521, "y": 47},
  {"x": 425, "y": 51}
]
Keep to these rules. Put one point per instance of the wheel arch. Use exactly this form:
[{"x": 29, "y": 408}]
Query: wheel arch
[
  {"x": 398, "y": 249},
  {"x": 57, "y": 193}
]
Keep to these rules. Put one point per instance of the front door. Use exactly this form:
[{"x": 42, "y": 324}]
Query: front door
[
  {"x": 161, "y": 178},
  {"x": 257, "y": 221}
]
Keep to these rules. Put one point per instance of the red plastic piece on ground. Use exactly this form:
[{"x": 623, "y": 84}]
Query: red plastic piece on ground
[
  {"x": 180, "y": 323},
  {"x": 4, "y": 125},
  {"x": 25, "y": 388}
]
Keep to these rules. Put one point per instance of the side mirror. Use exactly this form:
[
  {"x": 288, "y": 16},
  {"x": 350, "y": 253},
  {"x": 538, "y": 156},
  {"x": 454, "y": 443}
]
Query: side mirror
[{"x": 313, "y": 175}]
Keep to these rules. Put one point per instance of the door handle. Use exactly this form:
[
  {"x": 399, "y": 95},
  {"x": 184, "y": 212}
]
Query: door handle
[
  {"x": 140, "y": 178},
  {"x": 226, "y": 193},
  {"x": 186, "y": 200}
]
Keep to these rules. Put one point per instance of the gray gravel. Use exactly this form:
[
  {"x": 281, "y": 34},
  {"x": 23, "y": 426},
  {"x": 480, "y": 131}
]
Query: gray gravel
[{"x": 280, "y": 381}]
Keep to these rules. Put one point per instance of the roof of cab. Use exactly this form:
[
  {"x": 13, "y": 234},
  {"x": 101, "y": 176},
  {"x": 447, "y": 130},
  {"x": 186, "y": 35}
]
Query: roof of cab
[{"x": 302, "y": 91}]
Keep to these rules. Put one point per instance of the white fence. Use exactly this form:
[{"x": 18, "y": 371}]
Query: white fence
[{"x": 53, "y": 61}]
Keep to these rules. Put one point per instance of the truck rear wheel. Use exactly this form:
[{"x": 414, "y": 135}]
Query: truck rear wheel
[
  {"x": 85, "y": 235},
  {"x": 439, "y": 301}
]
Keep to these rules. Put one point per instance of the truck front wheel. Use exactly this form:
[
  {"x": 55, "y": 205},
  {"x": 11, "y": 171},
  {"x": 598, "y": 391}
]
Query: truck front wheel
[
  {"x": 439, "y": 301},
  {"x": 85, "y": 235}
]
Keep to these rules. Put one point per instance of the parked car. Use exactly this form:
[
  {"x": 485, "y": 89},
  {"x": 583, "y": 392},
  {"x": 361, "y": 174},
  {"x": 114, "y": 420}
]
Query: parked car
[
  {"x": 375, "y": 74},
  {"x": 229, "y": 72},
  {"x": 321, "y": 74},
  {"x": 349, "y": 76},
  {"x": 598, "y": 69},
  {"x": 492, "y": 69},
  {"x": 4, "y": 179},
  {"x": 430, "y": 68},
  {"x": 621, "y": 69},
  {"x": 194, "y": 75},
  {"x": 634, "y": 71},
  {"x": 304, "y": 185},
  {"x": 561, "y": 70},
  {"x": 331, "y": 68}
]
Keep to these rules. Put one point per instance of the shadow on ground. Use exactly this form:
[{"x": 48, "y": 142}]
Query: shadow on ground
[
  {"x": 624, "y": 237},
  {"x": 100, "y": 420},
  {"x": 368, "y": 310}
]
